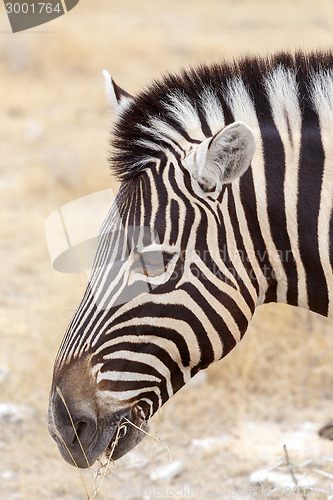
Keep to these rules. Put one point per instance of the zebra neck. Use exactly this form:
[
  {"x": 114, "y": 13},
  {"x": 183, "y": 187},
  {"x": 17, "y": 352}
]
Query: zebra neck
[{"x": 287, "y": 204}]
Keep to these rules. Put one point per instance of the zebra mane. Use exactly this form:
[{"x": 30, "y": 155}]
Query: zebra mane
[{"x": 191, "y": 105}]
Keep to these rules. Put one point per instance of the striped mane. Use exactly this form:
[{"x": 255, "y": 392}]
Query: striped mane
[{"x": 191, "y": 105}]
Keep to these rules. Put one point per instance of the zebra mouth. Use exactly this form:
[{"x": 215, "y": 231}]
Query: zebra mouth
[
  {"x": 114, "y": 435},
  {"x": 128, "y": 433}
]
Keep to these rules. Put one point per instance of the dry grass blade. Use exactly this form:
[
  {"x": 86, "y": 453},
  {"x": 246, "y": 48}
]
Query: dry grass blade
[
  {"x": 106, "y": 466},
  {"x": 323, "y": 473},
  {"x": 69, "y": 453},
  {"x": 122, "y": 428},
  {"x": 77, "y": 437},
  {"x": 276, "y": 466},
  {"x": 291, "y": 470},
  {"x": 158, "y": 440}
]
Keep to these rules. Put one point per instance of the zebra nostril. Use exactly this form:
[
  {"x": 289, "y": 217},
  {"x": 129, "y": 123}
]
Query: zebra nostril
[
  {"x": 85, "y": 429},
  {"x": 79, "y": 431}
]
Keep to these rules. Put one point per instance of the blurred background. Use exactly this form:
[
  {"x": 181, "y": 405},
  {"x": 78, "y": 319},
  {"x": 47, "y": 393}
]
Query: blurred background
[{"x": 275, "y": 388}]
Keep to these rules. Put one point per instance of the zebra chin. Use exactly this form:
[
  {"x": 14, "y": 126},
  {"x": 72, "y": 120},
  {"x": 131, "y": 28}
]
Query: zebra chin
[
  {"x": 84, "y": 439},
  {"x": 126, "y": 436}
]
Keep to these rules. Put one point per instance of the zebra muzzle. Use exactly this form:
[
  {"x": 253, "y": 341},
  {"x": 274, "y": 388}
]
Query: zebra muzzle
[{"x": 82, "y": 437}]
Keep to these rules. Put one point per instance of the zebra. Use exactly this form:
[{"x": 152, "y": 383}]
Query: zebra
[{"x": 225, "y": 203}]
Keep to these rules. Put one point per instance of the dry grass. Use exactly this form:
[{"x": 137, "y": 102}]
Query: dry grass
[{"x": 53, "y": 137}]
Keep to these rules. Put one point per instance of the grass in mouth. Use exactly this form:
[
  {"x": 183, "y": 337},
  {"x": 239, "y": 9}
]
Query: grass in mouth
[{"x": 104, "y": 469}]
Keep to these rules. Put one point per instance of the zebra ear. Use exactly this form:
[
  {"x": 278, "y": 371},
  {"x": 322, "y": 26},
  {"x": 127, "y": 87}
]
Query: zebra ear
[
  {"x": 222, "y": 158},
  {"x": 118, "y": 98}
]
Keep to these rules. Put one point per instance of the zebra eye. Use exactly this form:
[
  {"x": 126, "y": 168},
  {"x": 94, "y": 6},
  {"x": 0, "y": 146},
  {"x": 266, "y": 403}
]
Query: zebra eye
[{"x": 152, "y": 263}]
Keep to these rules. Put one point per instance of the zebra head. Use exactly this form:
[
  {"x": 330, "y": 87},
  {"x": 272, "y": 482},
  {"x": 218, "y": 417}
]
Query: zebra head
[{"x": 168, "y": 293}]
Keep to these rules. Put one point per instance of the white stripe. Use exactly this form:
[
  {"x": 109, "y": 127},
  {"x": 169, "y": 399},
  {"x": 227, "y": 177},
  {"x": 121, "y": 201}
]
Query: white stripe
[
  {"x": 154, "y": 202},
  {"x": 146, "y": 143},
  {"x": 126, "y": 395},
  {"x": 125, "y": 376},
  {"x": 181, "y": 109},
  {"x": 282, "y": 91},
  {"x": 322, "y": 96},
  {"x": 161, "y": 131},
  {"x": 168, "y": 221},
  {"x": 213, "y": 110}
]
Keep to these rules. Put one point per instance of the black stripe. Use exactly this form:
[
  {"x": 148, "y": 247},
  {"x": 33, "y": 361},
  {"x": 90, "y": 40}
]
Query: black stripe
[
  {"x": 310, "y": 178},
  {"x": 204, "y": 125},
  {"x": 174, "y": 216},
  {"x": 330, "y": 240},
  {"x": 159, "y": 224},
  {"x": 248, "y": 200}
]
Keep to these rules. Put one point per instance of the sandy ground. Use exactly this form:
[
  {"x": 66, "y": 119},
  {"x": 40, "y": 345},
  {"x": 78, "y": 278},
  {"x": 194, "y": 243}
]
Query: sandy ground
[{"x": 274, "y": 389}]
